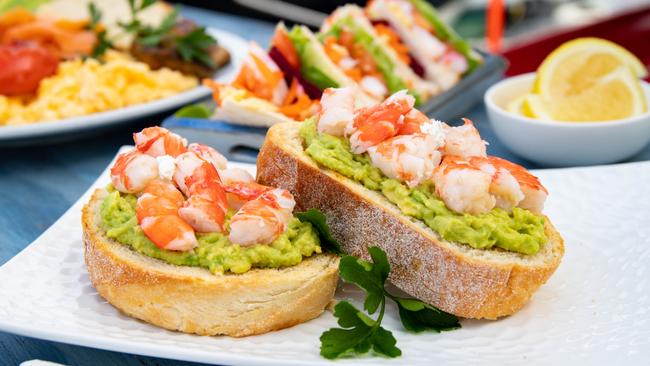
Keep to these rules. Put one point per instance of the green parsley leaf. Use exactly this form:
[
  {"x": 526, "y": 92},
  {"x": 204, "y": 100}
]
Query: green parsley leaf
[
  {"x": 368, "y": 276},
  {"x": 360, "y": 334},
  {"x": 318, "y": 220},
  {"x": 417, "y": 316},
  {"x": 103, "y": 43},
  {"x": 95, "y": 15},
  {"x": 195, "y": 46},
  {"x": 383, "y": 342}
]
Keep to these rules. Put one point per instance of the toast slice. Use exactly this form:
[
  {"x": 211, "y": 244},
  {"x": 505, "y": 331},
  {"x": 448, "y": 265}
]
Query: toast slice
[
  {"x": 193, "y": 300},
  {"x": 468, "y": 282}
]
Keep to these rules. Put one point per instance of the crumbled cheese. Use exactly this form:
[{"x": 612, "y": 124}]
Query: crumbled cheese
[
  {"x": 434, "y": 128},
  {"x": 166, "y": 166}
]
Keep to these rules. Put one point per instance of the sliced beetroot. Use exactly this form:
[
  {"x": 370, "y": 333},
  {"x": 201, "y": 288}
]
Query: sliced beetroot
[
  {"x": 381, "y": 21},
  {"x": 416, "y": 66},
  {"x": 290, "y": 73}
]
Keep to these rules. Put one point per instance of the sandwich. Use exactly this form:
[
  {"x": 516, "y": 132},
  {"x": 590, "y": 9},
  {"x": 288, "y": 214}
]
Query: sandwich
[
  {"x": 182, "y": 240},
  {"x": 371, "y": 55},
  {"x": 438, "y": 53},
  {"x": 463, "y": 231},
  {"x": 313, "y": 63},
  {"x": 262, "y": 94}
]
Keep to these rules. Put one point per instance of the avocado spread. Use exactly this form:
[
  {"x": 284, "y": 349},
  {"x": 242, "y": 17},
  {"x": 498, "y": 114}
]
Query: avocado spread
[
  {"x": 214, "y": 252},
  {"x": 520, "y": 231}
]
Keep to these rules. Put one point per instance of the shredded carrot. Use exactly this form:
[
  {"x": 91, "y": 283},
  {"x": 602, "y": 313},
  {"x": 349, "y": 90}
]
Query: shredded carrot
[
  {"x": 333, "y": 50},
  {"x": 297, "y": 104},
  {"x": 394, "y": 41},
  {"x": 273, "y": 77}
]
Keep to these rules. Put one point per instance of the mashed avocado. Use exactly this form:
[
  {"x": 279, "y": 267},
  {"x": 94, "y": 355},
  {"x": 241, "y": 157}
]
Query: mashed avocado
[
  {"x": 214, "y": 252},
  {"x": 520, "y": 231}
]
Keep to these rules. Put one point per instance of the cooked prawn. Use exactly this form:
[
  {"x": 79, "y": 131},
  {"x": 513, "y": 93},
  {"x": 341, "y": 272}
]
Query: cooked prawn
[
  {"x": 410, "y": 158},
  {"x": 261, "y": 76},
  {"x": 206, "y": 207},
  {"x": 533, "y": 191},
  {"x": 374, "y": 124},
  {"x": 132, "y": 171},
  {"x": 160, "y": 221},
  {"x": 262, "y": 220},
  {"x": 504, "y": 187},
  {"x": 337, "y": 110},
  {"x": 463, "y": 187},
  {"x": 158, "y": 141},
  {"x": 413, "y": 120},
  {"x": 238, "y": 193},
  {"x": 209, "y": 154},
  {"x": 478, "y": 184},
  {"x": 464, "y": 141},
  {"x": 164, "y": 189},
  {"x": 234, "y": 174}
]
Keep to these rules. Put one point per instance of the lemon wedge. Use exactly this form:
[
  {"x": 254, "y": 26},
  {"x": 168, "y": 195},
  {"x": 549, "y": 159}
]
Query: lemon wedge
[
  {"x": 614, "y": 96},
  {"x": 579, "y": 64},
  {"x": 515, "y": 105},
  {"x": 587, "y": 79}
]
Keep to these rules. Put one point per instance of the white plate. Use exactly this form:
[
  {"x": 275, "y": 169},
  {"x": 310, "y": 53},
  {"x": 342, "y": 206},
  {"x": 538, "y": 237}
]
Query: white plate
[
  {"x": 594, "y": 310},
  {"x": 41, "y": 130}
]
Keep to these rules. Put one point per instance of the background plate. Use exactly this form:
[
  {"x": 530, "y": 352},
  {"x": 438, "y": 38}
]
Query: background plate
[
  {"x": 42, "y": 131},
  {"x": 594, "y": 310}
]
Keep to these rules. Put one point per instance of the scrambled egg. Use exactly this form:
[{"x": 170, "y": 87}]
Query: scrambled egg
[{"x": 82, "y": 87}]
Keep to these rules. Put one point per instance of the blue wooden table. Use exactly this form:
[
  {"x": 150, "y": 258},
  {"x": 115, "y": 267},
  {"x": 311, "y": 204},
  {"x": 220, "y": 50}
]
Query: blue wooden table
[{"x": 37, "y": 185}]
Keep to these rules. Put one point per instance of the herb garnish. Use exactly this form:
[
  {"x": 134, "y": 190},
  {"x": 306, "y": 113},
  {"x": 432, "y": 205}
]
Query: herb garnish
[
  {"x": 359, "y": 332},
  {"x": 317, "y": 219},
  {"x": 193, "y": 46},
  {"x": 103, "y": 43}
]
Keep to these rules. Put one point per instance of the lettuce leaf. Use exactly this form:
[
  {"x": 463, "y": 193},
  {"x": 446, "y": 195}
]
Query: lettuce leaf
[
  {"x": 312, "y": 68},
  {"x": 447, "y": 34}
]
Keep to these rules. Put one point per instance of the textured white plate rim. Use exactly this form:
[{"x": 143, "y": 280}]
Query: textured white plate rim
[
  {"x": 237, "y": 47},
  {"x": 155, "y": 350}
]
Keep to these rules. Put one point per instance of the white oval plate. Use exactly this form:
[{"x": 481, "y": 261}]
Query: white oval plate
[
  {"x": 594, "y": 310},
  {"x": 39, "y": 131}
]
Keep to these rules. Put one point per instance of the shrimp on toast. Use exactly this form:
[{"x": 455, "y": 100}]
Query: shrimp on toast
[
  {"x": 158, "y": 141},
  {"x": 410, "y": 158},
  {"x": 464, "y": 141},
  {"x": 463, "y": 187},
  {"x": 157, "y": 210},
  {"x": 206, "y": 206},
  {"x": 374, "y": 124},
  {"x": 263, "y": 219},
  {"x": 132, "y": 171}
]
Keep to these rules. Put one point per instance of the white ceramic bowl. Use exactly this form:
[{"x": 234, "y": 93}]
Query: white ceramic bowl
[{"x": 563, "y": 143}]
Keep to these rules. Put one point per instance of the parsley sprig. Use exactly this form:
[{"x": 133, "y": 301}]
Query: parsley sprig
[
  {"x": 103, "y": 43},
  {"x": 359, "y": 333},
  {"x": 193, "y": 46}
]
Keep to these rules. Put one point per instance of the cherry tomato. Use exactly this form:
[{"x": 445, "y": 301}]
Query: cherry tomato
[{"x": 23, "y": 66}]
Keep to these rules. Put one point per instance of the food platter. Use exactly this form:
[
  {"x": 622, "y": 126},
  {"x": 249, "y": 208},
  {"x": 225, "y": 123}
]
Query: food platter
[
  {"x": 593, "y": 310},
  {"x": 49, "y": 130}
]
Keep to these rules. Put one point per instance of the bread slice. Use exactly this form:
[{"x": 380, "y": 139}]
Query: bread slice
[
  {"x": 193, "y": 300},
  {"x": 467, "y": 282}
]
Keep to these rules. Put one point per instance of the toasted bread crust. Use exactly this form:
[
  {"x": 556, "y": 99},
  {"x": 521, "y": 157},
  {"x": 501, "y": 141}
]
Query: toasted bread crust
[
  {"x": 467, "y": 282},
  {"x": 193, "y": 300}
]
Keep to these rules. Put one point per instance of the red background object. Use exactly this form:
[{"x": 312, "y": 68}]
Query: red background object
[{"x": 630, "y": 30}]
